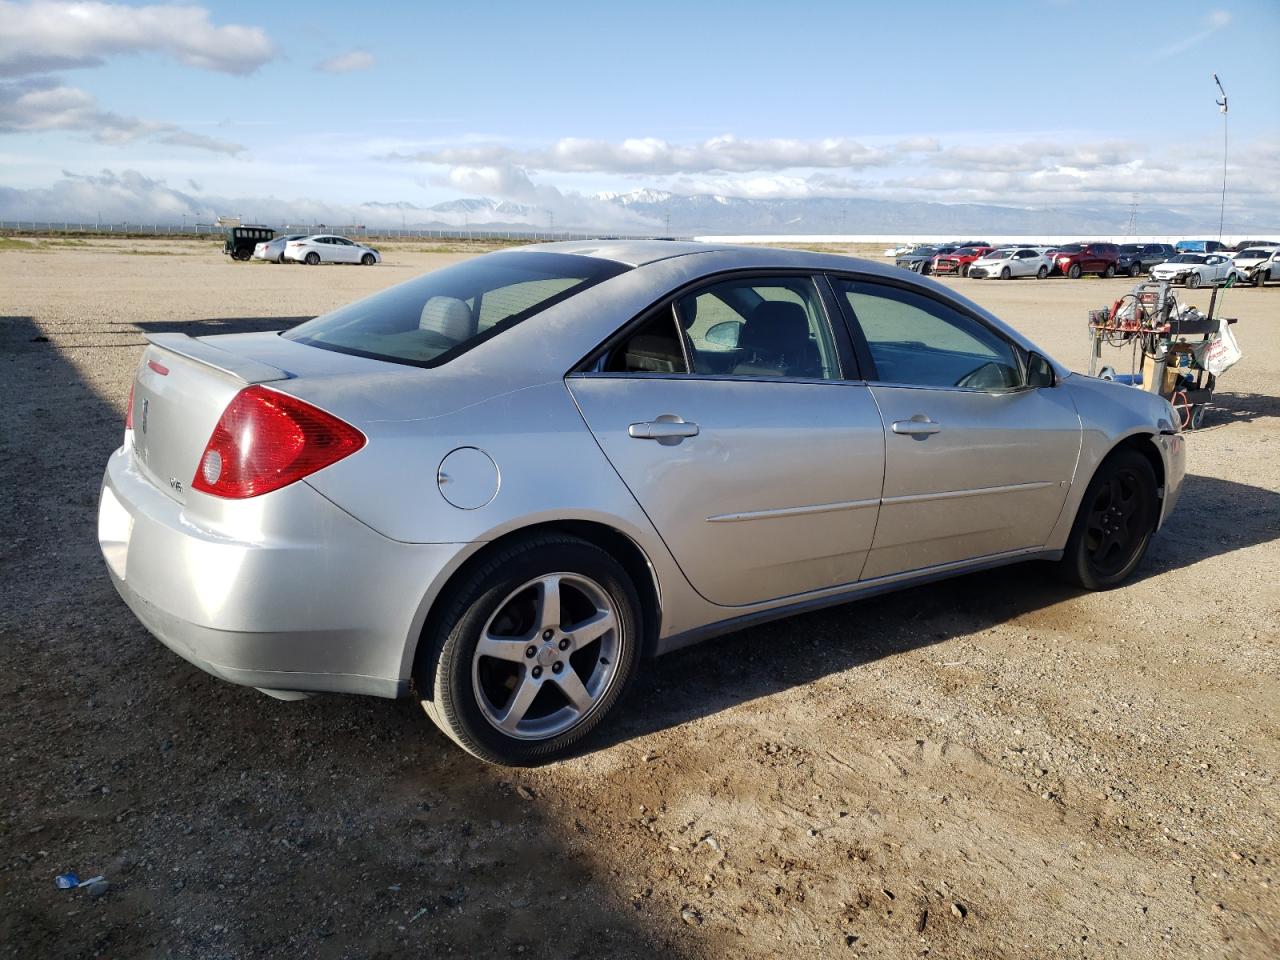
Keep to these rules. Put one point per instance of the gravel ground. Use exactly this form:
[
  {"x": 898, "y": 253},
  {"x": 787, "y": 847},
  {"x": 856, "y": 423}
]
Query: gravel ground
[{"x": 997, "y": 766}]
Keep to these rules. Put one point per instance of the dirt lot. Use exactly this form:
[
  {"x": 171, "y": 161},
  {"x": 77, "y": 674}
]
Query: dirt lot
[{"x": 993, "y": 767}]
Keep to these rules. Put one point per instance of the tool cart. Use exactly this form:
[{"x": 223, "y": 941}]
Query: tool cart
[{"x": 1175, "y": 351}]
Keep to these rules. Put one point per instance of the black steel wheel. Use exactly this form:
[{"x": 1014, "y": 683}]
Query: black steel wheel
[{"x": 1115, "y": 523}]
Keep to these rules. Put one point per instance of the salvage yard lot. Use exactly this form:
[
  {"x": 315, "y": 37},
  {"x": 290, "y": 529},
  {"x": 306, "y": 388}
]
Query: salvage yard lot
[{"x": 996, "y": 766}]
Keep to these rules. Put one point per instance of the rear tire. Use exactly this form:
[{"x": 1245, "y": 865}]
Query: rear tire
[
  {"x": 1074, "y": 271},
  {"x": 312, "y": 258},
  {"x": 1110, "y": 271},
  {"x": 505, "y": 597},
  {"x": 1114, "y": 525}
]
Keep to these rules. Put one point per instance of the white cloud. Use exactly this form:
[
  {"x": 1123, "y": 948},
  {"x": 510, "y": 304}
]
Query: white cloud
[
  {"x": 44, "y": 35},
  {"x": 349, "y": 62},
  {"x": 650, "y": 155},
  {"x": 43, "y": 104},
  {"x": 130, "y": 195}
]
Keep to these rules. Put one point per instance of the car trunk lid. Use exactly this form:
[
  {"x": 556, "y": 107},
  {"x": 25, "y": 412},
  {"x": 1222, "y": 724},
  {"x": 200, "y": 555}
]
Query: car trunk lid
[{"x": 181, "y": 389}]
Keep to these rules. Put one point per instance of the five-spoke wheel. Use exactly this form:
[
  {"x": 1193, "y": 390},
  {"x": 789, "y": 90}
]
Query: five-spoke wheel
[
  {"x": 546, "y": 657},
  {"x": 535, "y": 646}
]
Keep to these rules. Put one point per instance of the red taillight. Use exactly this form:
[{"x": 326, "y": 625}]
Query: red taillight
[
  {"x": 128, "y": 411},
  {"x": 266, "y": 440}
]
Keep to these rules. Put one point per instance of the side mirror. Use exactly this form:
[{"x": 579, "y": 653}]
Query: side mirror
[{"x": 1040, "y": 372}]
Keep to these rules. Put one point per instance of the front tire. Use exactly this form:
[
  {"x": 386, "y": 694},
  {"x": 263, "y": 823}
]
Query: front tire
[
  {"x": 1192, "y": 281},
  {"x": 1005, "y": 274},
  {"x": 1074, "y": 272},
  {"x": 368, "y": 259},
  {"x": 1042, "y": 273},
  {"x": 534, "y": 648},
  {"x": 1135, "y": 268},
  {"x": 1114, "y": 525}
]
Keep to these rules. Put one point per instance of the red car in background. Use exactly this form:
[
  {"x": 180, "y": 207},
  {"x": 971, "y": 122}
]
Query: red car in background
[
  {"x": 1074, "y": 259},
  {"x": 957, "y": 263}
]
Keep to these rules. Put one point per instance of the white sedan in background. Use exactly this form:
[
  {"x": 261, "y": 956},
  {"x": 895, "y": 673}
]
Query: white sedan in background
[
  {"x": 1258, "y": 264},
  {"x": 327, "y": 248},
  {"x": 1194, "y": 269},
  {"x": 1005, "y": 263},
  {"x": 272, "y": 251}
]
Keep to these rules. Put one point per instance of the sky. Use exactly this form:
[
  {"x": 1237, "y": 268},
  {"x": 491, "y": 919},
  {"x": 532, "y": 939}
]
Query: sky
[{"x": 289, "y": 110}]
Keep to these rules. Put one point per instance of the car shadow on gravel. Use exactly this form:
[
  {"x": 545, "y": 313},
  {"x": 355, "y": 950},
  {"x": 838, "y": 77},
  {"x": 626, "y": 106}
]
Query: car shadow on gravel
[
  {"x": 1231, "y": 408},
  {"x": 228, "y": 824},
  {"x": 1212, "y": 517}
]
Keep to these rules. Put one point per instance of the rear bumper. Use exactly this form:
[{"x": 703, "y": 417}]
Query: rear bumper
[{"x": 306, "y": 599}]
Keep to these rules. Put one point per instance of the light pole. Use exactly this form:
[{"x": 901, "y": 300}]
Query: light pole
[{"x": 1222, "y": 107}]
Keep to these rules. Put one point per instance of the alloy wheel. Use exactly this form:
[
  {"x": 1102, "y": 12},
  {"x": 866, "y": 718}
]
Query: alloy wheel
[{"x": 547, "y": 657}]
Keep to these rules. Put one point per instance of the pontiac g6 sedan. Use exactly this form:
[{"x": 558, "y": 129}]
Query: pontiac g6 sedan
[{"x": 501, "y": 485}]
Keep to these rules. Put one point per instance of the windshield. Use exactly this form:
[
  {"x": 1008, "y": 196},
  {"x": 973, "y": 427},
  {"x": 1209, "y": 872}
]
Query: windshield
[
  {"x": 1129, "y": 248},
  {"x": 966, "y": 252},
  {"x": 436, "y": 317},
  {"x": 1186, "y": 258},
  {"x": 921, "y": 252},
  {"x": 1069, "y": 248},
  {"x": 1253, "y": 255}
]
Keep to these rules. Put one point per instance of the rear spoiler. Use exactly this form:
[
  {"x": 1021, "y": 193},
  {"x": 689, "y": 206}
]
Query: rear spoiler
[{"x": 232, "y": 364}]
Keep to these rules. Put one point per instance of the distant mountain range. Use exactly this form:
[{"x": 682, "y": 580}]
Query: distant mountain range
[{"x": 661, "y": 213}]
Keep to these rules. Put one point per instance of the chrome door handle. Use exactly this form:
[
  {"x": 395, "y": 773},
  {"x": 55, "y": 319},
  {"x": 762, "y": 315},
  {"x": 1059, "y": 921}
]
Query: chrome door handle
[
  {"x": 666, "y": 428},
  {"x": 917, "y": 426}
]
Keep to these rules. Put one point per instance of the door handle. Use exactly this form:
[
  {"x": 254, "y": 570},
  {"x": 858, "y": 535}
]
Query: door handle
[
  {"x": 917, "y": 426},
  {"x": 666, "y": 429}
]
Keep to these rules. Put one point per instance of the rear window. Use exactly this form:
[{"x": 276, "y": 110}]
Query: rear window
[{"x": 434, "y": 318}]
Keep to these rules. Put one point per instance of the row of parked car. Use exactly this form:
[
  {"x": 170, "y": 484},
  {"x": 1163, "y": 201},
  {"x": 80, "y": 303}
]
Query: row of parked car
[{"x": 1189, "y": 262}]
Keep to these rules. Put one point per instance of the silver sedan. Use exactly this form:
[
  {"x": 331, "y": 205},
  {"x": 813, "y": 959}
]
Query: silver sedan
[{"x": 501, "y": 485}]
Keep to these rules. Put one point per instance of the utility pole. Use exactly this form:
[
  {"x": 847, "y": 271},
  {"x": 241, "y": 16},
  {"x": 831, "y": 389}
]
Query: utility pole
[
  {"x": 1133, "y": 216},
  {"x": 1222, "y": 107},
  {"x": 666, "y": 231},
  {"x": 551, "y": 222}
]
